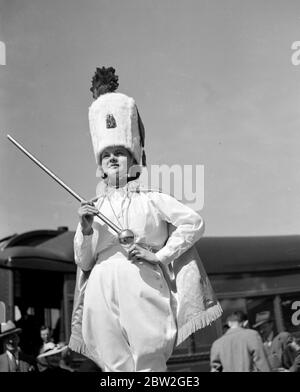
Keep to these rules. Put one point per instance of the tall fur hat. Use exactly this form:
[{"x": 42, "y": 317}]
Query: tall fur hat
[{"x": 114, "y": 118}]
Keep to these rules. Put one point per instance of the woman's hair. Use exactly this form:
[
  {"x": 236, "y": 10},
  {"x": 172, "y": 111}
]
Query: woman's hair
[{"x": 44, "y": 327}]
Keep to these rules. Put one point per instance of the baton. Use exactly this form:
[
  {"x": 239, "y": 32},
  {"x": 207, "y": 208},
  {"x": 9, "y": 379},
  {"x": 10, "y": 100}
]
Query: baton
[{"x": 126, "y": 236}]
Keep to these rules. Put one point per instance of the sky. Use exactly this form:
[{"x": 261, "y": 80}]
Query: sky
[{"x": 214, "y": 84}]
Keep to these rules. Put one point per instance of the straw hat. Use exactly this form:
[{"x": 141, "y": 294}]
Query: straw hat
[{"x": 53, "y": 350}]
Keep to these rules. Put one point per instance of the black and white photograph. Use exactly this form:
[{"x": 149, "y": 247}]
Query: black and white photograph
[{"x": 149, "y": 189}]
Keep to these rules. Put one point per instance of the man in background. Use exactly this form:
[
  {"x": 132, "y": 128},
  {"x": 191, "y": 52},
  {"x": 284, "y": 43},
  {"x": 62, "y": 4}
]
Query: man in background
[
  {"x": 264, "y": 324},
  {"x": 13, "y": 359},
  {"x": 239, "y": 349}
]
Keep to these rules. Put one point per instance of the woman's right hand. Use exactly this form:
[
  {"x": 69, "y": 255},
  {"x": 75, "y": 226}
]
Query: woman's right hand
[{"x": 86, "y": 214}]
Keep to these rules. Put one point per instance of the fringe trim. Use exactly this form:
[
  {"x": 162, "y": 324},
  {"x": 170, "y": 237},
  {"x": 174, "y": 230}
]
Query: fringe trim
[
  {"x": 78, "y": 346},
  {"x": 203, "y": 320}
]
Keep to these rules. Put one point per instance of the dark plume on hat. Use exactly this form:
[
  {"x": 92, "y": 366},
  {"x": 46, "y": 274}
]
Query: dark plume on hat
[{"x": 104, "y": 81}]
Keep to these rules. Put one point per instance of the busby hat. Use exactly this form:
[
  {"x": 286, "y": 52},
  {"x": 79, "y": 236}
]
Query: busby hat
[{"x": 114, "y": 119}]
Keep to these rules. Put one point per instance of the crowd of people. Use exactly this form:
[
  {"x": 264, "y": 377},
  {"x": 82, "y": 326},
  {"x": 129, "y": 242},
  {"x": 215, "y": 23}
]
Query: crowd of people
[
  {"x": 243, "y": 349},
  {"x": 15, "y": 359},
  {"x": 51, "y": 355},
  {"x": 239, "y": 349}
]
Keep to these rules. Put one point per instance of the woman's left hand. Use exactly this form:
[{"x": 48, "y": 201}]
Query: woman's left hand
[{"x": 137, "y": 253}]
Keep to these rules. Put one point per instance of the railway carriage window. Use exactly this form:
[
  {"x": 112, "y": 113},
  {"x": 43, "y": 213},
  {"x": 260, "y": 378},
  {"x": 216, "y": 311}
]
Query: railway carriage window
[
  {"x": 290, "y": 308},
  {"x": 258, "y": 308},
  {"x": 254, "y": 308},
  {"x": 205, "y": 337},
  {"x": 200, "y": 341}
]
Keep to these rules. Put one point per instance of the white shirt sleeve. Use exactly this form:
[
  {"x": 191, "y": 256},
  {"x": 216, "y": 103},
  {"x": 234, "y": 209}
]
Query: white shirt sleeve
[
  {"x": 189, "y": 226},
  {"x": 83, "y": 250}
]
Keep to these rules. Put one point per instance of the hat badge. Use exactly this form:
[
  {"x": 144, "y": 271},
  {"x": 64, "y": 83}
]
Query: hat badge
[{"x": 110, "y": 121}]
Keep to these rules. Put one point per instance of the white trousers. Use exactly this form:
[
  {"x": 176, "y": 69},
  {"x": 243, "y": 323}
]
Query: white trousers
[{"x": 128, "y": 318}]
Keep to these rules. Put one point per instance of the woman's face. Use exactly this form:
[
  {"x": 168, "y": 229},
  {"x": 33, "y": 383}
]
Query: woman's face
[{"x": 115, "y": 162}]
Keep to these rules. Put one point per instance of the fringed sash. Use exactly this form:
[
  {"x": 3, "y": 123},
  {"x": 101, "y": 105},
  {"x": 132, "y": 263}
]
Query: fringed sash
[{"x": 197, "y": 305}]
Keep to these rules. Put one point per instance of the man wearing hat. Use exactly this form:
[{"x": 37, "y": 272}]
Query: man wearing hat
[
  {"x": 264, "y": 324},
  {"x": 13, "y": 359}
]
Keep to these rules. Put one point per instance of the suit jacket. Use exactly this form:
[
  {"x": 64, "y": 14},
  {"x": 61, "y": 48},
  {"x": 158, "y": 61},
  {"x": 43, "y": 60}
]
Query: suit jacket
[
  {"x": 239, "y": 350},
  {"x": 26, "y": 364}
]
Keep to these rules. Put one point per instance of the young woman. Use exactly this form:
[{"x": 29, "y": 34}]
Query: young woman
[{"x": 130, "y": 312}]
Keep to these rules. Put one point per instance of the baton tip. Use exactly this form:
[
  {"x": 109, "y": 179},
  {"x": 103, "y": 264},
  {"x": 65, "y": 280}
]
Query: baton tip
[{"x": 10, "y": 138}]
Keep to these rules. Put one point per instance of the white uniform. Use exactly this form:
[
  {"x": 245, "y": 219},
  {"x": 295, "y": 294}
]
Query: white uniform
[{"x": 128, "y": 316}]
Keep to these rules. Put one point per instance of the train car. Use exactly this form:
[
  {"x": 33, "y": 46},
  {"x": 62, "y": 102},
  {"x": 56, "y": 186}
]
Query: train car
[{"x": 37, "y": 281}]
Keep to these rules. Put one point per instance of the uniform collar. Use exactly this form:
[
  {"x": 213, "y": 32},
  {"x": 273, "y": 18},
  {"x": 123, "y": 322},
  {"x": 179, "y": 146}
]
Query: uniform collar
[{"x": 104, "y": 189}]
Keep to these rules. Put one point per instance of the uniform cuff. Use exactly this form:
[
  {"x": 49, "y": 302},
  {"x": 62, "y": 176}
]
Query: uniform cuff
[
  {"x": 163, "y": 256},
  {"x": 82, "y": 239}
]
